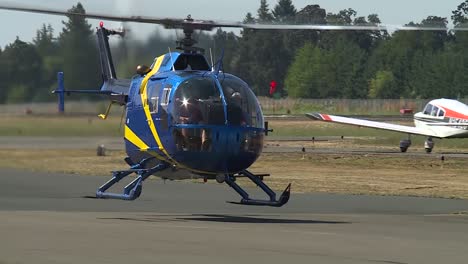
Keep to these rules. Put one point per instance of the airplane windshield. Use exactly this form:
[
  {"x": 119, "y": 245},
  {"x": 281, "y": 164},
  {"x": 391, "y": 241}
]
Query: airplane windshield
[{"x": 428, "y": 109}]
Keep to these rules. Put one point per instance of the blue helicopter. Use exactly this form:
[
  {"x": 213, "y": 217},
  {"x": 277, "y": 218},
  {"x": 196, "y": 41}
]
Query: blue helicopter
[{"x": 186, "y": 118}]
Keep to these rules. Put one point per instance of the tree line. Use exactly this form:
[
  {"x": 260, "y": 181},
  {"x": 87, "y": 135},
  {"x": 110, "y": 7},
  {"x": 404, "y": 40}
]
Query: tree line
[{"x": 304, "y": 63}]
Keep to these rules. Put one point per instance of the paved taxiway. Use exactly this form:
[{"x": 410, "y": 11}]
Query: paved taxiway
[
  {"x": 280, "y": 144},
  {"x": 45, "y": 219}
]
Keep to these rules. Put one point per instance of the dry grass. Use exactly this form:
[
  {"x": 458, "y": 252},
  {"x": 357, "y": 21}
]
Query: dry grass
[
  {"x": 350, "y": 173},
  {"x": 367, "y": 174},
  {"x": 356, "y": 174}
]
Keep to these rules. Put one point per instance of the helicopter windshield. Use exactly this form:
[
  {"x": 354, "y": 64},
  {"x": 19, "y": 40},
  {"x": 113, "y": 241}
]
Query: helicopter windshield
[
  {"x": 198, "y": 101},
  {"x": 242, "y": 105},
  {"x": 198, "y": 106}
]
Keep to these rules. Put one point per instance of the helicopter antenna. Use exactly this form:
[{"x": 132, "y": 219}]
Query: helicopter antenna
[
  {"x": 172, "y": 62},
  {"x": 211, "y": 58},
  {"x": 220, "y": 63}
]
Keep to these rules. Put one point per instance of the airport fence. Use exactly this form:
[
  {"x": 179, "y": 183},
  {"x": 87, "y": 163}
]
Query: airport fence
[{"x": 343, "y": 106}]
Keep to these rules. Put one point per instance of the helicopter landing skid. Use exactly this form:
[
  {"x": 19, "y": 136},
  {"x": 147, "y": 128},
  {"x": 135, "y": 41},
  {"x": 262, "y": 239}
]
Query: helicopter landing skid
[
  {"x": 246, "y": 200},
  {"x": 133, "y": 190}
]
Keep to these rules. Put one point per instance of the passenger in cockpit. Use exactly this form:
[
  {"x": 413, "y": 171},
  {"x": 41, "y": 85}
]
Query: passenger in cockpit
[{"x": 236, "y": 114}]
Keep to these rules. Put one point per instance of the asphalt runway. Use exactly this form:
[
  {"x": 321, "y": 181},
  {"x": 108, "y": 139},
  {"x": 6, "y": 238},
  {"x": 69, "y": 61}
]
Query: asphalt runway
[
  {"x": 271, "y": 146},
  {"x": 44, "y": 218}
]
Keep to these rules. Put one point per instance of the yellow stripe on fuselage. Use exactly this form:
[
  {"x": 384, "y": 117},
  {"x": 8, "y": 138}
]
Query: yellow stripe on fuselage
[
  {"x": 134, "y": 139},
  {"x": 144, "y": 101},
  {"x": 157, "y": 65}
]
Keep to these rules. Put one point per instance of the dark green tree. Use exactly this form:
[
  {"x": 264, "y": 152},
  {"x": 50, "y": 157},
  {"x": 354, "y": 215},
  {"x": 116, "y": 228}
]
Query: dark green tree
[
  {"x": 44, "y": 41},
  {"x": 227, "y": 44},
  {"x": 263, "y": 13},
  {"x": 344, "y": 17},
  {"x": 460, "y": 15},
  {"x": 22, "y": 65},
  {"x": 3, "y": 78},
  {"x": 305, "y": 78},
  {"x": 244, "y": 64},
  {"x": 284, "y": 11},
  {"x": 262, "y": 54},
  {"x": 383, "y": 85},
  {"x": 460, "y": 19},
  {"x": 347, "y": 61},
  {"x": 434, "y": 40},
  {"x": 311, "y": 14},
  {"x": 79, "y": 52},
  {"x": 48, "y": 48}
]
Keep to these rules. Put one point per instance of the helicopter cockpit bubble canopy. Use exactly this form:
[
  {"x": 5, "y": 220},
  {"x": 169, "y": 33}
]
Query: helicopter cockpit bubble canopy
[
  {"x": 242, "y": 104},
  {"x": 211, "y": 99}
]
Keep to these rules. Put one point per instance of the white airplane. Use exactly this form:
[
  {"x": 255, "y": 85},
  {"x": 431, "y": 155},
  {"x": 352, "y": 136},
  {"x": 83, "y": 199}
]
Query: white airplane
[{"x": 441, "y": 118}]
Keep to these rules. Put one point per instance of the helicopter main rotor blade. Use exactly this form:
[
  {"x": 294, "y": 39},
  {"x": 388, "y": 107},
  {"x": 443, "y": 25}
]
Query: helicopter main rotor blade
[
  {"x": 189, "y": 23},
  {"x": 49, "y": 11},
  {"x": 363, "y": 27}
]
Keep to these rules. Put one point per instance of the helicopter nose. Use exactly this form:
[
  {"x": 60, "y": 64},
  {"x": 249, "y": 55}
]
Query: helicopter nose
[
  {"x": 241, "y": 147},
  {"x": 220, "y": 149}
]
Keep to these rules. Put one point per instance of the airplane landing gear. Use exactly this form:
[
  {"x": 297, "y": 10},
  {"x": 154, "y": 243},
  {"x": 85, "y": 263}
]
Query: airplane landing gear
[
  {"x": 429, "y": 145},
  {"x": 405, "y": 144}
]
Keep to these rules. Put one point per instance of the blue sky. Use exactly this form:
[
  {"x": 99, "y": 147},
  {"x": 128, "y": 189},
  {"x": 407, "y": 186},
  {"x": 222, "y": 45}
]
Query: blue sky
[{"x": 395, "y": 12}]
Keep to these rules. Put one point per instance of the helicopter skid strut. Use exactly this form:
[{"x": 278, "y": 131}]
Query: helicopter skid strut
[
  {"x": 133, "y": 190},
  {"x": 246, "y": 200}
]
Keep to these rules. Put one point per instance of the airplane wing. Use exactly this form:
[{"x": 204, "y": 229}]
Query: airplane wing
[{"x": 371, "y": 124}]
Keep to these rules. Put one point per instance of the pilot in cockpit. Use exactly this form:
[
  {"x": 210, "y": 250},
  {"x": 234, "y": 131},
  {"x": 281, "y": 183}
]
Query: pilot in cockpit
[{"x": 190, "y": 113}]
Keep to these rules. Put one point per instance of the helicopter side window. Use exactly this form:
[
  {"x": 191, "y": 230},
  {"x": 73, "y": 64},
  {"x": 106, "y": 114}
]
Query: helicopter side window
[
  {"x": 153, "y": 104},
  {"x": 153, "y": 97},
  {"x": 165, "y": 96},
  {"x": 164, "y": 101}
]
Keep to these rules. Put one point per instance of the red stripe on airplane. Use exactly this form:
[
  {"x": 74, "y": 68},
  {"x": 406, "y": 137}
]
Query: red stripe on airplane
[
  {"x": 454, "y": 114},
  {"x": 326, "y": 117}
]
